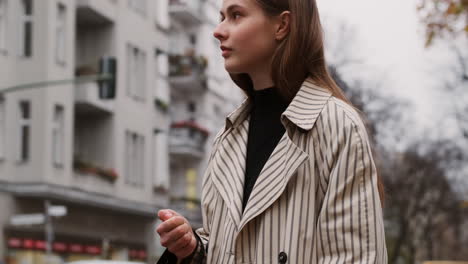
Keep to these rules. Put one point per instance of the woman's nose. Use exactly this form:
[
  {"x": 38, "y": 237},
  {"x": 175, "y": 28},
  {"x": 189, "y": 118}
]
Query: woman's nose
[{"x": 219, "y": 32}]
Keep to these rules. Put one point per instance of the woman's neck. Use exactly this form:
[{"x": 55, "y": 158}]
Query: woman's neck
[{"x": 261, "y": 80}]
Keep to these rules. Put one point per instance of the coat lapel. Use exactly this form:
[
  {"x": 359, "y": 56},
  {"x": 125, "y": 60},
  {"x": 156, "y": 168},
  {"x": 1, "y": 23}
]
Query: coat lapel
[
  {"x": 272, "y": 180},
  {"x": 230, "y": 160}
]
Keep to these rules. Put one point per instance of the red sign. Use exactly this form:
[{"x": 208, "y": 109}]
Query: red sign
[
  {"x": 76, "y": 248},
  {"x": 95, "y": 250},
  {"x": 142, "y": 254},
  {"x": 59, "y": 247},
  {"x": 133, "y": 253},
  {"x": 14, "y": 242},
  {"x": 137, "y": 254},
  {"x": 28, "y": 243},
  {"x": 39, "y": 244}
]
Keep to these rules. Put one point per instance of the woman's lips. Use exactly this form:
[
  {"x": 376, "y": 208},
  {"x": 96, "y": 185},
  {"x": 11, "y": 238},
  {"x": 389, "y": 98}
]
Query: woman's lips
[{"x": 226, "y": 52}]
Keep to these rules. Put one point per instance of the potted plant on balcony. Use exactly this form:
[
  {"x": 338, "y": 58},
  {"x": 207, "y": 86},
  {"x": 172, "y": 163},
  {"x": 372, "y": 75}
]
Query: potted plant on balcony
[
  {"x": 88, "y": 168},
  {"x": 109, "y": 174},
  {"x": 178, "y": 66},
  {"x": 187, "y": 63},
  {"x": 191, "y": 125},
  {"x": 202, "y": 61},
  {"x": 85, "y": 70},
  {"x": 161, "y": 104},
  {"x": 83, "y": 166}
]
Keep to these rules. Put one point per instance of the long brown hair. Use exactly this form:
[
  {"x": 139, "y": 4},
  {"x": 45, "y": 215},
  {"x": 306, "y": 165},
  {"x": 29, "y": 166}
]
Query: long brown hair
[{"x": 299, "y": 55}]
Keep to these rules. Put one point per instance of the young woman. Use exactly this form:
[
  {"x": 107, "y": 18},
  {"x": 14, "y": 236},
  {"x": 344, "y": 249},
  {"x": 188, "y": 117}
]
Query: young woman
[{"x": 291, "y": 178}]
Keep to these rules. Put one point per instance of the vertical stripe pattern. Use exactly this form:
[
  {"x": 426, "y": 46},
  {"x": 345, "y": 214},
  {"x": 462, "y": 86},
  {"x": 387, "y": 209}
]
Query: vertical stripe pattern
[{"x": 315, "y": 200}]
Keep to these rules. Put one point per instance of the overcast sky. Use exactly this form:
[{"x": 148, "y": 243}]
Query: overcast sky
[{"x": 391, "y": 42}]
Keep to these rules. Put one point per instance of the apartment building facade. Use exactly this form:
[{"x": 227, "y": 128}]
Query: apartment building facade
[{"x": 113, "y": 163}]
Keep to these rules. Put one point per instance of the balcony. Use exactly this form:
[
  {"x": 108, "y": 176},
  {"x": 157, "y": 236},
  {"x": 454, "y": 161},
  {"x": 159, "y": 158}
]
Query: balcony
[
  {"x": 187, "y": 73},
  {"x": 95, "y": 13},
  {"x": 87, "y": 101},
  {"x": 187, "y": 140},
  {"x": 188, "y": 12},
  {"x": 93, "y": 165}
]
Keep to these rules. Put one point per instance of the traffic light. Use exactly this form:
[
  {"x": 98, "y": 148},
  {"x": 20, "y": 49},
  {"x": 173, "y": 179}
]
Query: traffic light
[{"x": 107, "y": 86}]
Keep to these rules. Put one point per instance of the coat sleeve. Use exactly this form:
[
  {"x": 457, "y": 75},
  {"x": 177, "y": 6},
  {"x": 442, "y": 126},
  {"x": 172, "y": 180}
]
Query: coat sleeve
[{"x": 350, "y": 225}]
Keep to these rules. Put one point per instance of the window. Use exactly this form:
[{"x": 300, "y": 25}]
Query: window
[
  {"x": 60, "y": 35},
  {"x": 138, "y": 5},
  {"x": 136, "y": 73},
  {"x": 134, "y": 159},
  {"x": 161, "y": 161},
  {"x": 162, "y": 64},
  {"x": 193, "y": 39},
  {"x": 58, "y": 133},
  {"x": 24, "y": 128},
  {"x": 192, "y": 107},
  {"x": 26, "y": 28},
  {"x": 3, "y": 25},
  {"x": 2, "y": 127},
  {"x": 161, "y": 86},
  {"x": 216, "y": 110}
]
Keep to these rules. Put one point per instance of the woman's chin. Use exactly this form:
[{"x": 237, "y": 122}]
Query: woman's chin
[{"x": 232, "y": 68}]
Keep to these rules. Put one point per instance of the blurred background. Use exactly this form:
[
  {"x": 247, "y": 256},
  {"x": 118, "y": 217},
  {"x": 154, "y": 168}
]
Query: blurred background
[{"x": 108, "y": 109}]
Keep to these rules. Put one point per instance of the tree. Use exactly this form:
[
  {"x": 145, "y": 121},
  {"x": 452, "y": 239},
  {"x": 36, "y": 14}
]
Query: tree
[
  {"x": 447, "y": 20},
  {"x": 456, "y": 85},
  {"x": 423, "y": 216},
  {"x": 443, "y": 17},
  {"x": 425, "y": 212}
]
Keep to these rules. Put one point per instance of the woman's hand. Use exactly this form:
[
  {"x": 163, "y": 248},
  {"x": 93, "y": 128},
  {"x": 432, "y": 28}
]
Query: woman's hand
[{"x": 176, "y": 234}]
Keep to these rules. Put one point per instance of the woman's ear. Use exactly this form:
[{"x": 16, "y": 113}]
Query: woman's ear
[{"x": 284, "y": 21}]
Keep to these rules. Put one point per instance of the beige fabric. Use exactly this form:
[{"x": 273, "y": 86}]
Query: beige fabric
[{"x": 316, "y": 198}]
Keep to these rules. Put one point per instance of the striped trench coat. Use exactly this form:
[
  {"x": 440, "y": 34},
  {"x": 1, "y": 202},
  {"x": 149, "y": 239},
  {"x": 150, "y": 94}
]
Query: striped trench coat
[{"x": 315, "y": 200}]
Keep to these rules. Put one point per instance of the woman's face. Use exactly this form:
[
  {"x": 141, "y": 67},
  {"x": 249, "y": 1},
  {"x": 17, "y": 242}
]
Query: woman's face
[{"x": 246, "y": 35}]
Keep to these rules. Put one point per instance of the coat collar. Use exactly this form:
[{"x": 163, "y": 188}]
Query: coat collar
[{"x": 302, "y": 111}]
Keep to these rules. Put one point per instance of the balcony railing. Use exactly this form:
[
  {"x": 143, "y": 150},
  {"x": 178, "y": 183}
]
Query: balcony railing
[
  {"x": 87, "y": 96},
  {"x": 187, "y": 139},
  {"x": 93, "y": 178},
  {"x": 188, "y": 72},
  {"x": 95, "y": 13},
  {"x": 188, "y": 12}
]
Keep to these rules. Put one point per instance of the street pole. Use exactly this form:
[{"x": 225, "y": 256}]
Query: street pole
[
  {"x": 81, "y": 79},
  {"x": 49, "y": 232}
]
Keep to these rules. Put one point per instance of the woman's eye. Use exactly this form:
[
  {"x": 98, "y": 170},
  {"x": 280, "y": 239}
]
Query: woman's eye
[{"x": 233, "y": 16}]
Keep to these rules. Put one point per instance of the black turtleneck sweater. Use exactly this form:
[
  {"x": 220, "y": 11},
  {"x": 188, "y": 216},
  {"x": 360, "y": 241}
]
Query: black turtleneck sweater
[{"x": 265, "y": 131}]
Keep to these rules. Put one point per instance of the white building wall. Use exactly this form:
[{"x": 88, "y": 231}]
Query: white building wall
[
  {"x": 19, "y": 70},
  {"x": 129, "y": 27},
  {"x": 101, "y": 138},
  {"x": 62, "y": 95}
]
